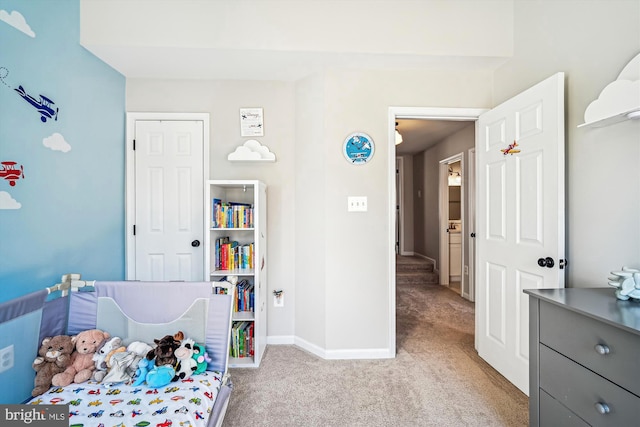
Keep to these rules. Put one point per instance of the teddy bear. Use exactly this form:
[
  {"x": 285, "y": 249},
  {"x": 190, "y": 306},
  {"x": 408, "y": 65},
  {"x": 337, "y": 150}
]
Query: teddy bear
[
  {"x": 82, "y": 364},
  {"x": 54, "y": 357},
  {"x": 100, "y": 357}
]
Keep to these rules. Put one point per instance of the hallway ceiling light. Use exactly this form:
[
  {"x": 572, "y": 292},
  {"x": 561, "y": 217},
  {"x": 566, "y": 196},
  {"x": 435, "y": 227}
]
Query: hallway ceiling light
[
  {"x": 398, "y": 136},
  {"x": 455, "y": 179}
]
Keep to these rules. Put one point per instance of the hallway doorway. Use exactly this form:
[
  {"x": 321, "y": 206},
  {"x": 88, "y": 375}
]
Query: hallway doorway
[{"x": 410, "y": 192}]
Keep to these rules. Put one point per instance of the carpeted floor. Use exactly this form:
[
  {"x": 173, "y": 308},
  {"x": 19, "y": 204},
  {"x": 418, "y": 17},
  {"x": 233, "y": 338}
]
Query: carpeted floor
[{"x": 437, "y": 379}]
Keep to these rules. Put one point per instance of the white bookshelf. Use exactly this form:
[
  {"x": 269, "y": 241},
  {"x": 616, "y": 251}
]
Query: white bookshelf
[{"x": 244, "y": 193}]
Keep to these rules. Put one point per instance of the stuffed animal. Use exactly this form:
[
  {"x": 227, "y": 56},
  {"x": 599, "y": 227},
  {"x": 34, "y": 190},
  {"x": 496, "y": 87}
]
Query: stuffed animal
[
  {"x": 164, "y": 352},
  {"x": 82, "y": 364},
  {"x": 201, "y": 357},
  {"x": 100, "y": 357},
  {"x": 54, "y": 357},
  {"x": 160, "y": 376},
  {"x": 140, "y": 348},
  {"x": 187, "y": 365},
  {"x": 123, "y": 365},
  {"x": 158, "y": 367}
]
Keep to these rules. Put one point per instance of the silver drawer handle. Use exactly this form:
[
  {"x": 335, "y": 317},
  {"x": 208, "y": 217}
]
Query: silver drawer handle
[
  {"x": 602, "y": 408},
  {"x": 602, "y": 349}
]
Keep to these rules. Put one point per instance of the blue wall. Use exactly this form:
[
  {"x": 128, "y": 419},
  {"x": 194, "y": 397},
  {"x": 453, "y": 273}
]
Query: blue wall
[{"x": 66, "y": 213}]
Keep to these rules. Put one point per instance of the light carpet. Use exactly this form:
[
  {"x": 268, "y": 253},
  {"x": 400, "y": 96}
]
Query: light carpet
[{"x": 437, "y": 378}]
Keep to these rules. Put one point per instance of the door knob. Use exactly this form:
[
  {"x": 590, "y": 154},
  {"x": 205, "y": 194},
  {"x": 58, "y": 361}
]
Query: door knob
[
  {"x": 195, "y": 243},
  {"x": 546, "y": 262}
]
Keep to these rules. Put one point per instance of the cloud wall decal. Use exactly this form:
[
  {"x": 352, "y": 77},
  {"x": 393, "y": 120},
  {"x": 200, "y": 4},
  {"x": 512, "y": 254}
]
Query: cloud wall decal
[
  {"x": 252, "y": 151},
  {"x": 56, "y": 142},
  {"x": 8, "y": 202},
  {"x": 17, "y": 21},
  {"x": 618, "y": 97}
]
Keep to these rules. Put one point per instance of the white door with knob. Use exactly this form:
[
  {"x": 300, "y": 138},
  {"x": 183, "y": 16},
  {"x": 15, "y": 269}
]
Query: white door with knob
[
  {"x": 166, "y": 164},
  {"x": 520, "y": 220}
]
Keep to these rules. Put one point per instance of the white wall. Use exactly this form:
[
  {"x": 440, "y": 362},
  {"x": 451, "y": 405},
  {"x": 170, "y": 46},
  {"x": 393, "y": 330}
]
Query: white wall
[
  {"x": 223, "y": 100},
  {"x": 340, "y": 279},
  {"x": 591, "y": 42},
  {"x": 310, "y": 221},
  {"x": 357, "y": 244}
]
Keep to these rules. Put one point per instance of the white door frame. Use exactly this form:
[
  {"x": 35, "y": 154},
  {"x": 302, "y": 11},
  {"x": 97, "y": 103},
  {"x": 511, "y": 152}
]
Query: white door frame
[
  {"x": 464, "y": 114},
  {"x": 130, "y": 241},
  {"x": 400, "y": 205},
  {"x": 443, "y": 197},
  {"x": 468, "y": 279}
]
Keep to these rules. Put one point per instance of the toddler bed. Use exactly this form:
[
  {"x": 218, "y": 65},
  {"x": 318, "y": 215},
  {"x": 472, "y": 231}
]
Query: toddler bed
[{"x": 144, "y": 312}]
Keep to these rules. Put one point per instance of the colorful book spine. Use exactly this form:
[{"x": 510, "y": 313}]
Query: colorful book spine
[
  {"x": 242, "y": 339},
  {"x": 231, "y": 214}
]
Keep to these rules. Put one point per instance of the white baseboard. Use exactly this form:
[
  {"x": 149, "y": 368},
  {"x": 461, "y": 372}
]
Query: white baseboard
[
  {"x": 435, "y": 266},
  {"x": 377, "y": 353},
  {"x": 373, "y": 353},
  {"x": 280, "y": 339}
]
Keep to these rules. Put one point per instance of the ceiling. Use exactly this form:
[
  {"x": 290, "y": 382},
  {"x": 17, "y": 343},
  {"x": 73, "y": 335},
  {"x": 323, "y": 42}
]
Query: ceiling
[{"x": 420, "y": 134}]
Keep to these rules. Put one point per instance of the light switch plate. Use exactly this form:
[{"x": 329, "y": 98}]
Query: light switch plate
[{"x": 357, "y": 203}]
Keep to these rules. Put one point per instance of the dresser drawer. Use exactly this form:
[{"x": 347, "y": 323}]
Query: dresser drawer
[
  {"x": 581, "y": 391},
  {"x": 576, "y": 336},
  {"x": 553, "y": 413}
]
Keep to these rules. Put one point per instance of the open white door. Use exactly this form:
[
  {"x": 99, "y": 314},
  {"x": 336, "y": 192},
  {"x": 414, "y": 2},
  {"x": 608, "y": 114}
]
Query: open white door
[
  {"x": 520, "y": 220},
  {"x": 165, "y": 203}
]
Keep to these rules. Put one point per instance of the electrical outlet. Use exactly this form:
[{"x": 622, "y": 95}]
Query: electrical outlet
[
  {"x": 357, "y": 203},
  {"x": 6, "y": 358},
  {"x": 278, "y": 300},
  {"x": 466, "y": 269}
]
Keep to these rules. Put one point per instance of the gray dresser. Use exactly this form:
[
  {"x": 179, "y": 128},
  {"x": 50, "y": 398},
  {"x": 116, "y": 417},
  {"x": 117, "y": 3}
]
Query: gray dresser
[{"x": 584, "y": 347}]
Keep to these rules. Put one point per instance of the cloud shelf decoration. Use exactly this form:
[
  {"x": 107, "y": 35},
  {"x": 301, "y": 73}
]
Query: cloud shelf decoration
[
  {"x": 619, "y": 100},
  {"x": 252, "y": 151}
]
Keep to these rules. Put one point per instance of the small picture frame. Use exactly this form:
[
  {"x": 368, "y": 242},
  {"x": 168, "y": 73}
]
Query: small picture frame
[{"x": 251, "y": 122}]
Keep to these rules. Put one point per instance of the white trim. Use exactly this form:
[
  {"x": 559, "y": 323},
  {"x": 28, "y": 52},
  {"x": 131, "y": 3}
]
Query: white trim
[
  {"x": 374, "y": 353},
  {"x": 349, "y": 354},
  {"x": 132, "y": 117},
  {"x": 471, "y": 226},
  {"x": 443, "y": 210},
  {"x": 311, "y": 348},
  {"x": 400, "y": 202},
  {"x": 433, "y": 261},
  {"x": 281, "y": 340}
]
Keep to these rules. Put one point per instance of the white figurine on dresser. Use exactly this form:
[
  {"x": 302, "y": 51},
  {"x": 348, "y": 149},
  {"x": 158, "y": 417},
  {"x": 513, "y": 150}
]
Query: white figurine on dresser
[{"x": 627, "y": 282}]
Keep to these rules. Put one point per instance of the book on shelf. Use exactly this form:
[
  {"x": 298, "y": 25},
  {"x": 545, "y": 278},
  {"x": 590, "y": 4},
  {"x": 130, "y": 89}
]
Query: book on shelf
[
  {"x": 244, "y": 296},
  {"x": 231, "y": 214},
  {"x": 242, "y": 340},
  {"x": 223, "y": 288},
  {"x": 231, "y": 255}
]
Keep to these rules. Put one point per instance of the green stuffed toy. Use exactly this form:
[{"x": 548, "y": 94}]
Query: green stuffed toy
[{"x": 201, "y": 357}]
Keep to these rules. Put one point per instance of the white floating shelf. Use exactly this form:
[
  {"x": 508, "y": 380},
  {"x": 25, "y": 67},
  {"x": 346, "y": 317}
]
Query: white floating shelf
[
  {"x": 617, "y": 118},
  {"x": 618, "y": 101}
]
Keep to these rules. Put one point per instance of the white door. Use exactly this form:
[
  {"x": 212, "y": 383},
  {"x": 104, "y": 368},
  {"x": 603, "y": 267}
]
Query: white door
[
  {"x": 520, "y": 213},
  {"x": 168, "y": 211}
]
